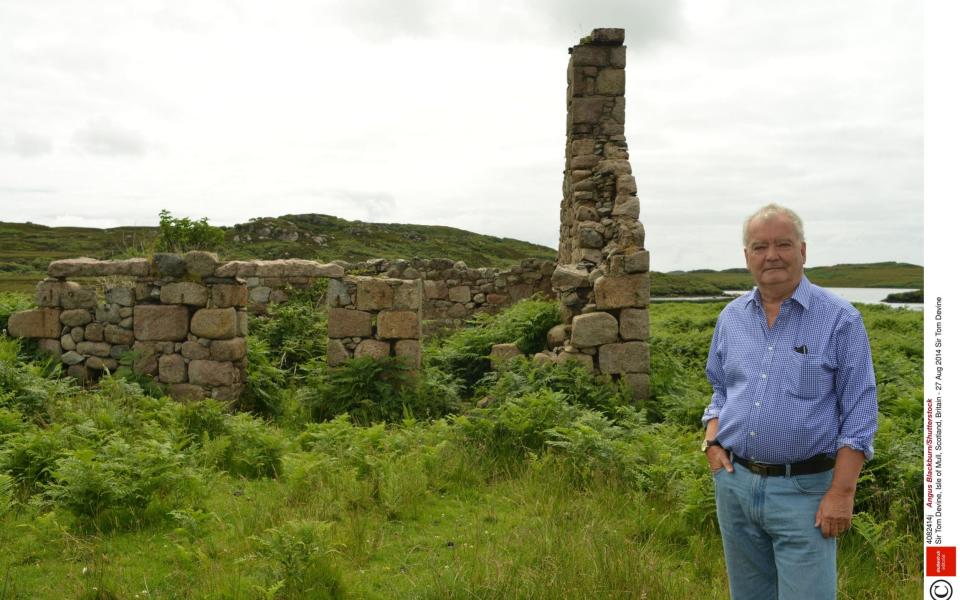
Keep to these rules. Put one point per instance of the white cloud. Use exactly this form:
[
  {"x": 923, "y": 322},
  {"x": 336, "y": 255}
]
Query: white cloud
[{"x": 102, "y": 137}]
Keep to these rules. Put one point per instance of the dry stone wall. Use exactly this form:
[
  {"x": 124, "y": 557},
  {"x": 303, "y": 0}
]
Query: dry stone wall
[
  {"x": 602, "y": 278},
  {"x": 376, "y": 317},
  {"x": 452, "y": 291},
  {"x": 184, "y": 318}
]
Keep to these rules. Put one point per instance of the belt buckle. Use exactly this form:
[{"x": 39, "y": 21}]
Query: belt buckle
[{"x": 764, "y": 469}]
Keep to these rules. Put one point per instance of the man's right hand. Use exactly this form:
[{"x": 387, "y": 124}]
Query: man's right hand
[{"x": 718, "y": 459}]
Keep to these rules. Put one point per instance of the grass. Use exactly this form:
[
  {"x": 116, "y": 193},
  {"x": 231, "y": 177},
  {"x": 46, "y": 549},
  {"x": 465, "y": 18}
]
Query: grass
[{"x": 555, "y": 490}]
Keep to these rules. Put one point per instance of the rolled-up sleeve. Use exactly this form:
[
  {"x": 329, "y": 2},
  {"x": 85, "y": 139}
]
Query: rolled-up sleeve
[
  {"x": 856, "y": 387},
  {"x": 715, "y": 376}
]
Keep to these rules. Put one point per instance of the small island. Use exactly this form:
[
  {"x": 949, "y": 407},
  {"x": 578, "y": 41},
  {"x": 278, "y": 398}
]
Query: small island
[{"x": 911, "y": 297}]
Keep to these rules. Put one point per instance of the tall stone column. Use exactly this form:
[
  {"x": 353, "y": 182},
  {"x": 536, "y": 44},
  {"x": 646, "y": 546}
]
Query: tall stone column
[{"x": 603, "y": 276}]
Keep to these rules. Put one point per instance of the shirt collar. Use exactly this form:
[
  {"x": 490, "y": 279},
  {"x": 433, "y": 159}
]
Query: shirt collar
[{"x": 801, "y": 295}]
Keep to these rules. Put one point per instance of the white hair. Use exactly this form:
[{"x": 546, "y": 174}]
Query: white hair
[{"x": 772, "y": 210}]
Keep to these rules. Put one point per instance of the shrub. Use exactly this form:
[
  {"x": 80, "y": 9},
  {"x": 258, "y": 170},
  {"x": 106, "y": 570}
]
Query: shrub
[
  {"x": 11, "y": 302},
  {"x": 466, "y": 353},
  {"x": 578, "y": 385},
  {"x": 182, "y": 235},
  {"x": 120, "y": 484},
  {"x": 299, "y": 554},
  {"x": 372, "y": 390},
  {"x": 30, "y": 456},
  {"x": 263, "y": 389},
  {"x": 249, "y": 449},
  {"x": 295, "y": 332}
]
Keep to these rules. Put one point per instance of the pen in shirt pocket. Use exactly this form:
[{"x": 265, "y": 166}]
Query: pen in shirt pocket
[{"x": 801, "y": 349}]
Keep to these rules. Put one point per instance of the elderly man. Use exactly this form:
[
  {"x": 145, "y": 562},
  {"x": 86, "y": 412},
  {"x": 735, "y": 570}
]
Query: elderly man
[{"x": 791, "y": 420}]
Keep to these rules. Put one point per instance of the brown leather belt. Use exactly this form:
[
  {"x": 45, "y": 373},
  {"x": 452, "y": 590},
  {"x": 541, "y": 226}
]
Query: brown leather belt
[{"x": 817, "y": 464}]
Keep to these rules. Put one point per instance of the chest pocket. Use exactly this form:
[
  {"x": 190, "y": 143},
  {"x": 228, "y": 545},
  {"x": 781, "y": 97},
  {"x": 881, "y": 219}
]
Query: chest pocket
[{"x": 808, "y": 376}]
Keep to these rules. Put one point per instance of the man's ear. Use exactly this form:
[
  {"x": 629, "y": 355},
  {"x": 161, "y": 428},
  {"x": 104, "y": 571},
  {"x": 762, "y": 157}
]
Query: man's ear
[
  {"x": 803, "y": 251},
  {"x": 745, "y": 259}
]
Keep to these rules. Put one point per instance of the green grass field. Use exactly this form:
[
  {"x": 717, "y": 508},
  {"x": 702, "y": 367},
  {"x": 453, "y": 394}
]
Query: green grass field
[{"x": 559, "y": 488}]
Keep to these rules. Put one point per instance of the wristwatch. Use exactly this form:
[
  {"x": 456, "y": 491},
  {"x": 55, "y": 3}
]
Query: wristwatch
[{"x": 707, "y": 443}]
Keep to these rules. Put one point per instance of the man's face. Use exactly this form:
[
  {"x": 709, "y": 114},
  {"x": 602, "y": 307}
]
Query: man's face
[{"x": 774, "y": 253}]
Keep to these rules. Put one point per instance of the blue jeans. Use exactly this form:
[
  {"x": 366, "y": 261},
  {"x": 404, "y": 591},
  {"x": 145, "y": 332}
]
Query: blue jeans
[{"x": 772, "y": 549}]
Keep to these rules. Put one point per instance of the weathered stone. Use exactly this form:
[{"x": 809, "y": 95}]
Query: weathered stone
[
  {"x": 145, "y": 358},
  {"x": 543, "y": 358},
  {"x": 194, "y": 350},
  {"x": 214, "y": 323},
  {"x": 48, "y": 293},
  {"x": 171, "y": 368},
  {"x": 614, "y": 166},
  {"x": 607, "y": 36},
  {"x": 126, "y": 322},
  {"x": 374, "y": 294},
  {"x": 184, "y": 292},
  {"x": 79, "y": 372},
  {"x": 212, "y": 373},
  {"x": 77, "y": 334},
  {"x": 593, "y": 329},
  {"x": 639, "y": 384},
  {"x": 117, "y": 351},
  {"x": 407, "y": 295},
  {"x": 115, "y": 334},
  {"x": 634, "y": 324},
  {"x": 241, "y": 323},
  {"x": 556, "y": 336},
  {"x": 76, "y": 317},
  {"x": 588, "y": 237},
  {"x": 501, "y": 353},
  {"x": 578, "y": 163},
  {"x": 460, "y": 293},
  {"x": 342, "y": 322},
  {"x": 626, "y": 185},
  {"x": 278, "y": 296},
  {"x": 74, "y": 295},
  {"x": 336, "y": 353},
  {"x": 169, "y": 264},
  {"x": 496, "y": 299},
  {"x": 338, "y": 294},
  {"x": 199, "y": 263},
  {"x": 82, "y": 266},
  {"x": 638, "y": 262},
  {"x": 395, "y": 324},
  {"x": 611, "y": 82},
  {"x": 584, "y": 359},
  {"x": 93, "y": 332},
  {"x": 569, "y": 277},
  {"x": 627, "y": 206},
  {"x": 72, "y": 358},
  {"x": 626, "y": 291},
  {"x": 98, "y": 363},
  {"x": 227, "y": 393},
  {"x": 628, "y": 357},
  {"x": 223, "y": 295},
  {"x": 233, "y": 349},
  {"x": 409, "y": 351},
  {"x": 50, "y": 346},
  {"x": 186, "y": 391},
  {"x": 108, "y": 313},
  {"x": 372, "y": 348},
  {"x": 260, "y": 294},
  {"x": 94, "y": 348},
  {"x": 583, "y": 56},
  {"x": 67, "y": 342},
  {"x": 158, "y": 322},
  {"x": 39, "y": 323},
  {"x": 434, "y": 290},
  {"x": 124, "y": 296},
  {"x": 586, "y": 110},
  {"x": 236, "y": 268}
]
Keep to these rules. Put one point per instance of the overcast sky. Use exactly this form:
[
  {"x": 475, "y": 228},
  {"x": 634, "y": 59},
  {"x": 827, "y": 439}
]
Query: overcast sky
[{"x": 451, "y": 112}]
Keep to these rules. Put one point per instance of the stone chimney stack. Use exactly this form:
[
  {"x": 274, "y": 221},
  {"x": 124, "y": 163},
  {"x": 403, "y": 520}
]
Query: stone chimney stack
[{"x": 603, "y": 276}]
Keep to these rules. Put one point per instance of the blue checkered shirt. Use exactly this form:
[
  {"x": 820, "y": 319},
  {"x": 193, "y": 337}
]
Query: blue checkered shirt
[{"x": 801, "y": 388}]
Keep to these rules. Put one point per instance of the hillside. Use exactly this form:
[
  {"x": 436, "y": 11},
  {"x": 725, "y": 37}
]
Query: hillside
[
  {"x": 868, "y": 275},
  {"x": 27, "y": 247}
]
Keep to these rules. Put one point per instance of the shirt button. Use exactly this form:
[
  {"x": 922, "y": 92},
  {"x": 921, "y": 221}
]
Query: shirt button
[
  {"x": 763, "y": 375},
  {"x": 756, "y": 404},
  {"x": 753, "y": 433},
  {"x": 770, "y": 348}
]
